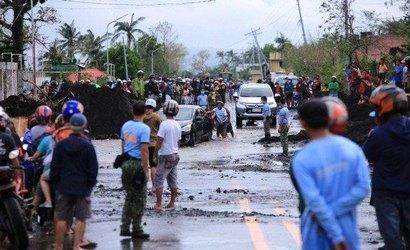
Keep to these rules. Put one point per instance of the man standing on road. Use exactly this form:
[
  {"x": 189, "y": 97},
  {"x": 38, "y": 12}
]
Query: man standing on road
[
  {"x": 221, "y": 119},
  {"x": 135, "y": 137},
  {"x": 283, "y": 122},
  {"x": 333, "y": 177},
  {"x": 267, "y": 117},
  {"x": 289, "y": 91},
  {"x": 388, "y": 147},
  {"x": 169, "y": 135},
  {"x": 138, "y": 85},
  {"x": 334, "y": 87},
  {"x": 73, "y": 170},
  {"x": 152, "y": 120},
  {"x": 202, "y": 100}
]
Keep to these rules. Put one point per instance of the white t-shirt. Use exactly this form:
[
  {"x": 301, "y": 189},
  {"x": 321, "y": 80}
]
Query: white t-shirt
[{"x": 170, "y": 130}]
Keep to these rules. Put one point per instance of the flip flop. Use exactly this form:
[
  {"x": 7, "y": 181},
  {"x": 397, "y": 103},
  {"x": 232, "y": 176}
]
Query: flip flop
[
  {"x": 89, "y": 245},
  {"x": 170, "y": 208}
]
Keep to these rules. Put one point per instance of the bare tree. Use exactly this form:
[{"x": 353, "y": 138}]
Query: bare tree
[
  {"x": 199, "y": 61},
  {"x": 173, "y": 50}
]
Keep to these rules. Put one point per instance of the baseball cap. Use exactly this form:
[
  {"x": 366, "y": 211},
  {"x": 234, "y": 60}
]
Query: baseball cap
[{"x": 78, "y": 121}]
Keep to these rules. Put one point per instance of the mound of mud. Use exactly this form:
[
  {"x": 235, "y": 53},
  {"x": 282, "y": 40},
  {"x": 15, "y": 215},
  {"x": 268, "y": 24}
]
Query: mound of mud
[
  {"x": 106, "y": 109},
  {"x": 301, "y": 136},
  {"x": 20, "y": 105}
]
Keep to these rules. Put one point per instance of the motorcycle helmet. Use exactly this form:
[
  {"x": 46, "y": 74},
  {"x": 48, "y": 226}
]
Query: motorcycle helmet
[
  {"x": 70, "y": 108},
  {"x": 338, "y": 114},
  {"x": 140, "y": 72},
  {"x": 151, "y": 103},
  {"x": 387, "y": 99},
  {"x": 43, "y": 114},
  {"x": 171, "y": 108}
]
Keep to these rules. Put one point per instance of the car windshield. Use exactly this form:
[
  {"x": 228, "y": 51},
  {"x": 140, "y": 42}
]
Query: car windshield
[
  {"x": 184, "y": 114},
  {"x": 282, "y": 80},
  {"x": 256, "y": 92}
]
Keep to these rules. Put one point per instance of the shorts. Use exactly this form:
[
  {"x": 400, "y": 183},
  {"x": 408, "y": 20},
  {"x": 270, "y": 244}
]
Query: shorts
[
  {"x": 152, "y": 157},
  {"x": 167, "y": 169},
  {"x": 289, "y": 95},
  {"x": 69, "y": 206}
]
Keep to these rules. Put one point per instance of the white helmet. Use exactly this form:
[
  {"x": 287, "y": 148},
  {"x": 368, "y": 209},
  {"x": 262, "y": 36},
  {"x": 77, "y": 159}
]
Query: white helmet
[
  {"x": 151, "y": 102},
  {"x": 171, "y": 107},
  {"x": 4, "y": 114}
]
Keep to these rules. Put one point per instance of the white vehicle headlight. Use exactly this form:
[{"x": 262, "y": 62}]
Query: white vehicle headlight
[{"x": 187, "y": 128}]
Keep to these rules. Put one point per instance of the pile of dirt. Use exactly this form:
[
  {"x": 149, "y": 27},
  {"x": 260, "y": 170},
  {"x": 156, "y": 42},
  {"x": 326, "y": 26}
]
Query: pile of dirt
[
  {"x": 106, "y": 109},
  {"x": 301, "y": 136},
  {"x": 20, "y": 105}
]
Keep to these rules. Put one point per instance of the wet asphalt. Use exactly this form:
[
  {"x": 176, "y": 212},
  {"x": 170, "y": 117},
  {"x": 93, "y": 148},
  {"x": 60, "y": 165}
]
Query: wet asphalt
[{"x": 233, "y": 194}]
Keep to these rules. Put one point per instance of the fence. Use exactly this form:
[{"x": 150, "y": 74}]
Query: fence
[{"x": 13, "y": 81}]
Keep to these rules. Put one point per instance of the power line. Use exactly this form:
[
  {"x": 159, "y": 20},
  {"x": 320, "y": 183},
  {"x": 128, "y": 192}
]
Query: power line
[{"x": 141, "y": 5}]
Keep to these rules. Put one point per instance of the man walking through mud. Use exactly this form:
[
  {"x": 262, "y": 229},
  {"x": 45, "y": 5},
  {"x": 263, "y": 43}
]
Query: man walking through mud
[
  {"x": 333, "y": 177},
  {"x": 169, "y": 135},
  {"x": 135, "y": 137},
  {"x": 267, "y": 117},
  {"x": 283, "y": 123}
]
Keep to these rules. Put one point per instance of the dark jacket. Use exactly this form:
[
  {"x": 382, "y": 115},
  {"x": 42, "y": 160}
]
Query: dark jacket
[
  {"x": 74, "y": 166},
  {"x": 388, "y": 148}
]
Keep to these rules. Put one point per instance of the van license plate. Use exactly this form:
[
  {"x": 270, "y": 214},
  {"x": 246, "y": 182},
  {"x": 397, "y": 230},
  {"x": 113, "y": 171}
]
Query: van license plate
[{"x": 256, "y": 110}]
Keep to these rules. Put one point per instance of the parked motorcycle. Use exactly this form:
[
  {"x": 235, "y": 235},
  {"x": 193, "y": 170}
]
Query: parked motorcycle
[{"x": 12, "y": 220}]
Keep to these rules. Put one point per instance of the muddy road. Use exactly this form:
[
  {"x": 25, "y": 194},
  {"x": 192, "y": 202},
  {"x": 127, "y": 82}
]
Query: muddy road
[{"x": 234, "y": 194}]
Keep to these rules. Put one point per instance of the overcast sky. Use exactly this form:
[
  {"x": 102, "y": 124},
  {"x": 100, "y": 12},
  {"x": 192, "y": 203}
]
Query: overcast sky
[{"x": 221, "y": 24}]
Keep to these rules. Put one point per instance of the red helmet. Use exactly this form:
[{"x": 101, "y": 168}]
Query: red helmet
[
  {"x": 388, "y": 98},
  {"x": 337, "y": 113},
  {"x": 43, "y": 114}
]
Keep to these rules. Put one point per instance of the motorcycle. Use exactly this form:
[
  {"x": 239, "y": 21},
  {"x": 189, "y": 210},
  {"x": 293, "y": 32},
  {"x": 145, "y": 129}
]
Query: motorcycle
[{"x": 12, "y": 219}]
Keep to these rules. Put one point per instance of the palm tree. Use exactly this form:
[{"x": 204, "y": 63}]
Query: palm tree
[
  {"x": 91, "y": 46},
  {"x": 220, "y": 54},
  {"x": 55, "y": 53},
  {"x": 70, "y": 38},
  {"x": 129, "y": 29}
]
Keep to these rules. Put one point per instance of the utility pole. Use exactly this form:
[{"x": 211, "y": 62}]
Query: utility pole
[
  {"x": 346, "y": 24},
  {"x": 125, "y": 59},
  {"x": 301, "y": 22},
  {"x": 33, "y": 43},
  {"x": 259, "y": 51}
]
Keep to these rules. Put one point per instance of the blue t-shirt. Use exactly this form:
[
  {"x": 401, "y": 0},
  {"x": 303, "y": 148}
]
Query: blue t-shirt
[
  {"x": 332, "y": 174},
  {"x": 44, "y": 146},
  {"x": 202, "y": 100},
  {"x": 398, "y": 73},
  {"x": 283, "y": 116},
  {"x": 134, "y": 134},
  {"x": 221, "y": 115},
  {"x": 266, "y": 111}
]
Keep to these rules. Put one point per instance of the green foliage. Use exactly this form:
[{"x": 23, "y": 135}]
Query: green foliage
[
  {"x": 129, "y": 29},
  {"x": 321, "y": 57},
  {"x": 244, "y": 74},
  {"x": 269, "y": 47},
  {"x": 70, "y": 38}
]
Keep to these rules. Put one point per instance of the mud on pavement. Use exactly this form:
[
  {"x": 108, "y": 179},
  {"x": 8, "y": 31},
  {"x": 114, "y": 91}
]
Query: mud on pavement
[{"x": 233, "y": 194}]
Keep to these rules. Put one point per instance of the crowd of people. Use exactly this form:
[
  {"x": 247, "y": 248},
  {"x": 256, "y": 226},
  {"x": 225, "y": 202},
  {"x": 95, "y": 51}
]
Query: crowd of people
[{"x": 61, "y": 165}]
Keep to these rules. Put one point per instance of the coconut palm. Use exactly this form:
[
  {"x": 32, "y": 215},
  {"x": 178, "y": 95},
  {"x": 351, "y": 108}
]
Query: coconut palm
[
  {"x": 70, "y": 41},
  {"x": 91, "y": 46},
  {"x": 129, "y": 29},
  {"x": 55, "y": 53}
]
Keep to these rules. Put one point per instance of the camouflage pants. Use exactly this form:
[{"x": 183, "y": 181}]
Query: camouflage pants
[
  {"x": 283, "y": 135},
  {"x": 136, "y": 196}
]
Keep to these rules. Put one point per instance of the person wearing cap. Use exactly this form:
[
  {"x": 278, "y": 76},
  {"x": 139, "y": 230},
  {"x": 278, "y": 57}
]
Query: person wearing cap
[
  {"x": 138, "y": 85},
  {"x": 151, "y": 88},
  {"x": 334, "y": 87},
  {"x": 332, "y": 175},
  {"x": 152, "y": 120},
  {"x": 73, "y": 171},
  {"x": 387, "y": 148}
]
